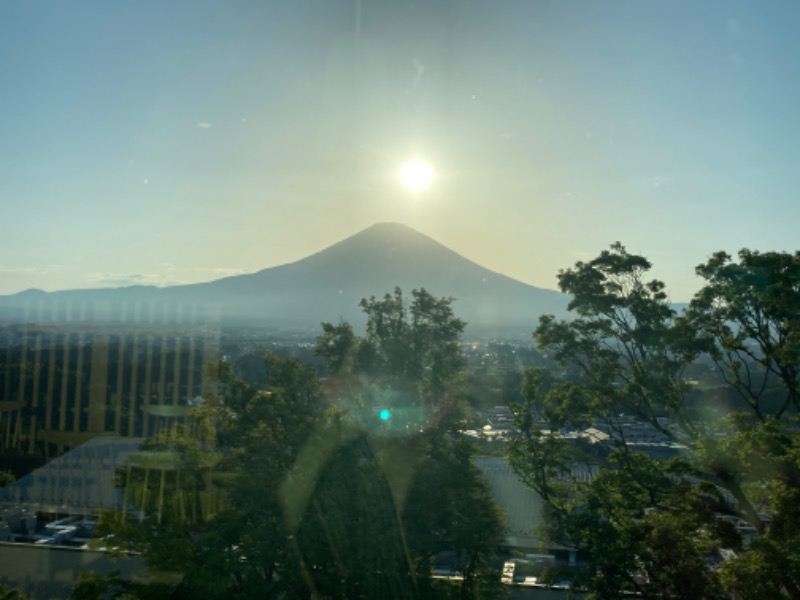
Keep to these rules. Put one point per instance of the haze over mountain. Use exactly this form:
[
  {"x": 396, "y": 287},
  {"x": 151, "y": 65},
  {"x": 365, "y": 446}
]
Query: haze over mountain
[{"x": 327, "y": 286}]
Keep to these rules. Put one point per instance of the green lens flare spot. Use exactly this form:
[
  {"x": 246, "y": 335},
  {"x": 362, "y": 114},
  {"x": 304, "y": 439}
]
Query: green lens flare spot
[{"x": 385, "y": 414}]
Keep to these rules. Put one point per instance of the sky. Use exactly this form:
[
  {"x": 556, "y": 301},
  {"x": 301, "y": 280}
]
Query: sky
[{"x": 155, "y": 142}]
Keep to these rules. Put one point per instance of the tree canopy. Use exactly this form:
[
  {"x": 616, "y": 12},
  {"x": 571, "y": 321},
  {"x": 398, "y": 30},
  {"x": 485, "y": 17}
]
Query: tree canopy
[
  {"x": 308, "y": 489},
  {"x": 415, "y": 345},
  {"x": 677, "y": 523}
]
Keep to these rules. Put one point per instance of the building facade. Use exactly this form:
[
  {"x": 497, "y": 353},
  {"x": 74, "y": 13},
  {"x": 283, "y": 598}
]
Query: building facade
[{"x": 72, "y": 371}]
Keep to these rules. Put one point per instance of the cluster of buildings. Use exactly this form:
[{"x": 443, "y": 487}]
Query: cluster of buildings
[{"x": 638, "y": 435}]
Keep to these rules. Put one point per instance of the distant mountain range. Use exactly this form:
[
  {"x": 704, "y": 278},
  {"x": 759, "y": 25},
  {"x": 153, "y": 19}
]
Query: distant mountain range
[{"x": 326, "y": 286}]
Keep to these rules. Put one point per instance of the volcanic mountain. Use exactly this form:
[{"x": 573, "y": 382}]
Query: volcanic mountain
[{"x": 328, "y": 285}]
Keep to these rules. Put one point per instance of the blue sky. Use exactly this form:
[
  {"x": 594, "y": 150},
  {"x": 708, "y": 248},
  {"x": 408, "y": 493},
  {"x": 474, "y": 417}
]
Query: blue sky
[{"x": 169, "y": 142}]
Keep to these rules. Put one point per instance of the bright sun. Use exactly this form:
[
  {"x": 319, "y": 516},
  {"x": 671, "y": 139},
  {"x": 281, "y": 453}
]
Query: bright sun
[{"x": 416, "y": 175}]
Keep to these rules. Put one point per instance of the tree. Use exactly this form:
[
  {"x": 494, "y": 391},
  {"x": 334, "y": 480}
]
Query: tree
[
  {"x": 208, "y": 512},
  {"x": 400, "y": 384},
  {"x": 404, "y": 346},
  {"x": 303, "y": 490},
  {"x": 748, "y": 316},
  {"x": 408, "y": 366},
  {"x": 337, "y": 345},
  {"x": 247, "y": 549},
  {"x": 91, "y": 586},
  {"x": 7, "y": 593},
  {"x": 6, "y": 477},
  {"x": 653, "y": 525}
]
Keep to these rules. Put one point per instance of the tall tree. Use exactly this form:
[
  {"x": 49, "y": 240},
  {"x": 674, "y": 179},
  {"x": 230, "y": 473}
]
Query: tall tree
[
  {"x": 650, "y": 525},
  {"x": 400, "y": 383},
  {"x": 748, "y": 316},
  {"x": 416, "y": 345}
]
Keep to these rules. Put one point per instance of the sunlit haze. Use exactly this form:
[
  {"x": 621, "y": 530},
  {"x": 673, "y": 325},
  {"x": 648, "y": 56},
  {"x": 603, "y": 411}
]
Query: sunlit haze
[{"x": 171, "y": 142}]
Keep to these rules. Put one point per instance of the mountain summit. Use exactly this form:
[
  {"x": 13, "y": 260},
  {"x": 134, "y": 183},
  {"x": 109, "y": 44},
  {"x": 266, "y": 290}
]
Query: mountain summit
[{"x": 328, "y": 285}]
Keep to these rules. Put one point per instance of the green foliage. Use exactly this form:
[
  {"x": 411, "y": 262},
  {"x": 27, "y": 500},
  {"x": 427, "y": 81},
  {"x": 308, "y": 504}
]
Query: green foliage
[
  {"x": 6, "y": 477},
  {"x": 112, "y": 586},
  {"x": 748, "y": 315},
  {"x": 7, "y": 593},
  {"x": 411, "y": 362},
  {"x": 658, "y": 527},
  {"x": 302, "y": 491},
  {"x": 416, "y": 345},
  {"x": 338, "y": 346},
  {"x": 19, "y": 463},
  {"x": 90, "y": 586}
]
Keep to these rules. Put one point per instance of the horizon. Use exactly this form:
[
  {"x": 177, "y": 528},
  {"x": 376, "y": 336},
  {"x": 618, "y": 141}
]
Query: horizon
[
  {"x": 383, "y": 225},
  {"x": 150, "y": 144}
]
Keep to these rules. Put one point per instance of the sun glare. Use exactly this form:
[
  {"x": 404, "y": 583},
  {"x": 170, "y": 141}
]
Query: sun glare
[{"x": 416, "y": 175}]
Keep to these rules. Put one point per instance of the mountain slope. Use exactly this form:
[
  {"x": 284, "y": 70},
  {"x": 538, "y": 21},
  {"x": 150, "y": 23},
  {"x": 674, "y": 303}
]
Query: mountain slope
[{"x": 328, "y": 285}]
